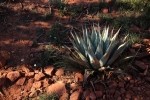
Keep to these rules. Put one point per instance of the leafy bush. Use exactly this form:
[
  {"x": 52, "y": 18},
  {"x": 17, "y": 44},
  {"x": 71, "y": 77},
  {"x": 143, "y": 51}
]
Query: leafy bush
[{"x": 53, "y": 96}]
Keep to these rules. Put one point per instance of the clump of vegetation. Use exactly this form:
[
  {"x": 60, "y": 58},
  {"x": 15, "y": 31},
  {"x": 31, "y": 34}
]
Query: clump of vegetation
[
  {"x": 57, "y": 34},
  {"x": 122, "y": 21},
  {"x": 74, "y": 10},
  {"x": 53, "y": 96},
  {"x": 137, "y": 5},
  {"x": 97, "y": 50},
  {"x": 134, "y": 38},
  {"x": 48, "y": 16},
  {"x": 48, "y": 56},
  {"x": 57, "y": 3}
]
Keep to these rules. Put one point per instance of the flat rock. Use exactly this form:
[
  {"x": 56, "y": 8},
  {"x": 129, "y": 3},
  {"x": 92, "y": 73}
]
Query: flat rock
[
  {"x": 34, "y": 93},
  {"x": 58, "y": 88},
  {"x": 39, "y": 76},
  {"x": 128, "y": 96},
  {"x": 37, "y": 85},
  {"x": 45, "y": 1},
  {"x": 78, "y": 77},
  {"x": 92, "y": 96},
  {"x": 75, "y": 95},
  {"x": 73, "y": 86},
  {"x": 113, "y": 84},
  {"x": 99, "y": 94},
  {"x": 30, "y": 74},
  {"x": 146, "y": 41},
  {"x": 49, "y": 70},
  {"x": 21, "y": 81},
  {"x": 99, "y": 86},
  {"x": 59, "y": 72},
  {"x": 121, "y": 84},
  {"x": 13, "y": 76},
  {"x": 29, "y": 84},
  {"x": 141, "y": 65},
  {"x": 137, "y": 45},
  {"x": 65, "y": 96},
  {"x": 25, "y": 68},
  {"x": 86, "y": 93},
  {"x": 46, "y": 82}
]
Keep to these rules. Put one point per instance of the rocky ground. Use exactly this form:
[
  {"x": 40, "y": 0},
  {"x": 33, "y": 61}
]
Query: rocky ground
[
  {"x": 19, "y": 80},
  {"x": 27, "y": 83}
]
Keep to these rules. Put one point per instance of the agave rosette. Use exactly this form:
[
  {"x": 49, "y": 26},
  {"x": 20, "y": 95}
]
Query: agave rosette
[{"x": 96, "y": 48}]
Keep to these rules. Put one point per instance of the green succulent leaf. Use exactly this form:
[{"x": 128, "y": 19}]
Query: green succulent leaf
[
  {"x": 108, "y": 52},
  {"x": 98, "y": 48},
  {"x": 117, "y": 53}
]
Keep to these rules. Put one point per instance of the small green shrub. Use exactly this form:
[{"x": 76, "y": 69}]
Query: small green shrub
[
  {"x": 74, "y": 9},
  {"x": 134, "y": 38},
  {"x": 122, "y": 21},
  {"x": 57, "y": 34},
  {"x": 48, "y": 56},
  {"x": 53, "y": 96},
  {"x": 136, "y": 5},
  {"x": 47, "y": 16},
  {"x": 60, "y": 4},
  {"x": 71, "y": 10}
]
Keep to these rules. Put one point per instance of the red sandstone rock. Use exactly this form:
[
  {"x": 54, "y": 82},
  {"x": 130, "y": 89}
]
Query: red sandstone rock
[
  {"x": 58, "y": 88},
  {"x": 86, "y": 94},
  {"x": 137, "y": 45},
  {"x": 65, "y": 96},
  {"x": 78, "y": 77},
  {"x": 13, "y": 76},
  {"x": 99, "y": 94},
  {"x": 73, "y": 86},
  {"x": 92, "y": 96},
  {"x": 21, "y": 81},
  {"x": 37, "y": 85},
  {"x": 59, "y": 72},
  {"x": 29, "y": 84},
  {"x": 30, "y": 74},
  {"x": 45, "y": 1},
  {"x": 25, "y": 68},
  {"x": 87, "y": 98},
  {"x": 75, "y": 95},
  {"x": 39, "y": 76},
  {"x": 46, "y": 82},
  {"x": 141, "y": 65},
  {"x": 49, "y": 70},
  {"x": 121, "y": 84}
]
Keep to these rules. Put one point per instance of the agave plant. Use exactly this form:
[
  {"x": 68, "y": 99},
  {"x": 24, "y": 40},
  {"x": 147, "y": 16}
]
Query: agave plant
[{"x": 97, "y": 48}]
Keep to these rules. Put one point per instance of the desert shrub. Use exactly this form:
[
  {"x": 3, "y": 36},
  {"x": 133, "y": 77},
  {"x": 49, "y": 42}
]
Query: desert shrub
[
  {"x": 57, "y": 34},
  {"x": 96, "y": 51},
  {"x": 53, "y": 96}
]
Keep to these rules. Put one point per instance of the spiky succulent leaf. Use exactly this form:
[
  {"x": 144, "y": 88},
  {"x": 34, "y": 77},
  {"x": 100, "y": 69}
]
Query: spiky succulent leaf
[
  {"x": 116, "y": 54},
  {"x": 98, "y": 49},
  {"x": 108, "y": 52}
]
